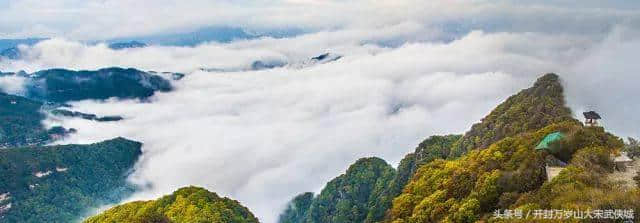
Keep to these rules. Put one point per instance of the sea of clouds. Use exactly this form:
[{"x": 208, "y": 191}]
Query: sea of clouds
[{"x": 262, "y": 137}]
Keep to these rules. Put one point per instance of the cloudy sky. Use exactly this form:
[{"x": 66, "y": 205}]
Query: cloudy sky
[
  {"x": 103, "y": 19},
  {"x": 409, "y": 69}
]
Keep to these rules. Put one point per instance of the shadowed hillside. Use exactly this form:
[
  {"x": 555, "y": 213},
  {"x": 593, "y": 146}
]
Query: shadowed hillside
[
  {"x": 62, "y": 183},
  {"x": 21, "y": 123}
]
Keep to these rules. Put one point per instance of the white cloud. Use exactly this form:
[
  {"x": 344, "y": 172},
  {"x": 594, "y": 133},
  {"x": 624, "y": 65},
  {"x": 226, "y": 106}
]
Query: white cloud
[
  {"x": 263, "y": 136},
  {"x": 607, "y": 81},
  {"x": 62, "y": 53},
  {"x": 122, "y": 18},
  {"x": 12, "y": 84}
]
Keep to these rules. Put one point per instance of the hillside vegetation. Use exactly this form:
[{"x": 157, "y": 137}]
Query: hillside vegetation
[
  {"x": 494, "y": 166},
  {"x": 62, "y": 183},
  {"x": 186, "y": 205},
  {"x": 297, "y": 209},
  {"x": 337, "y": 200},
  {"x": 508, "y": 174},
  {"x": 21, "y": 115},
  {"x": 20, "y": 122},
  {"x": 529, "y": 110},
  {"x": 351, "y": 197},
  {"x": 60, "y": 85}
]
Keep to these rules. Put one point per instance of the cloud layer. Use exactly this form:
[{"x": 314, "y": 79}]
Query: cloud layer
[
  {"x": 410, "y": 69},
  {"x": 90, "y": 20},
  {"x": 606, "y": 80},
  {"x": 12, "y": 84},
  {"x": 263, "y": 136}
]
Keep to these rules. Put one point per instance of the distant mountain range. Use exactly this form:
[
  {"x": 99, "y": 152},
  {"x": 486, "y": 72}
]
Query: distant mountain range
[
  {"x": 270, "y": 64},
  {"x": 61, "y": 85},
  {"x": 9, "y": 47},
  {"x": 220, "y": 34},
  {"x": 75, "y": 114},
  {"x": 48, "y": 90},
  {"x": 12, "y": 53},
  {"x": 62, "y": 183},
  {"x": 10, "y": 43},
  {"x": 127, "y": 45}
]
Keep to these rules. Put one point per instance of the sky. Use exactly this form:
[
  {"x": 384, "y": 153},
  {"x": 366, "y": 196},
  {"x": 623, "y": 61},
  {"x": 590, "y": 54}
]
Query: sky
[
  {"x": 104, "y": 19},
  {"x": 409, "y": 69}
]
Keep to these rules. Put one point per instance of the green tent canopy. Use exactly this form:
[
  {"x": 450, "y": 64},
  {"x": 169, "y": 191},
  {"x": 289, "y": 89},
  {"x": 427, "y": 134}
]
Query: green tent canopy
[{"x": 546, "y": 142}]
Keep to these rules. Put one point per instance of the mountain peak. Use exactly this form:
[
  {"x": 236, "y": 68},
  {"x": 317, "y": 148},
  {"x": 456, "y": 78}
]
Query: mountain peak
[
  {"x": 532, "y": 108},
  {"x": 548, "y": 77}
]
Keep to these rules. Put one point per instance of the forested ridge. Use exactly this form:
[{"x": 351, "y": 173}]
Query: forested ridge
[
  {"x": 510, "y": 174},
  {"x": 493, "y": 166},
  {"x": 45, "y": 91},
  {"x": 448, "y": 178},
  {"x": 62, "y": 85},
  {"x": 61, "y": 183},
  {"x": 186, "y": 205},
  {"x": 529, "y": 110},
  {"x": 21, "y": 122}
]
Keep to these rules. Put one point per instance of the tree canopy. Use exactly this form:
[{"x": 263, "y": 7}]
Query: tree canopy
[
  {"x": 531, "y": 109},
  {"x": 60, "y": 85},
  {"x": 351, "y": 197},
  {"x": 464, "y": 178},
  {"x": 502, "y": 176},
  {"x": 61, "y": 183},
  {"x": 186, "y": 205},
  {"x": 297, "y": 209},
  {"x": 20, "y": 122}
]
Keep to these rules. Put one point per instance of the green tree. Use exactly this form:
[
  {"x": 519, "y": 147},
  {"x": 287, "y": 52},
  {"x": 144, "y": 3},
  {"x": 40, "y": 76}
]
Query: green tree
[
  {"x": 509, "y": 173},
  {"x": 62, "y": 183},
  {"x": 529, "y": 110},
  {"x": 61, "y": 85},
  {"x": 351, "y": 197},
  {"x": 297, "y": 209},
  {"x": 186, "y": 205},
  {"x": 525, "y": 113},
  {"x": 632, "y": 148},
  {"x": 20, "y": 122}
]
